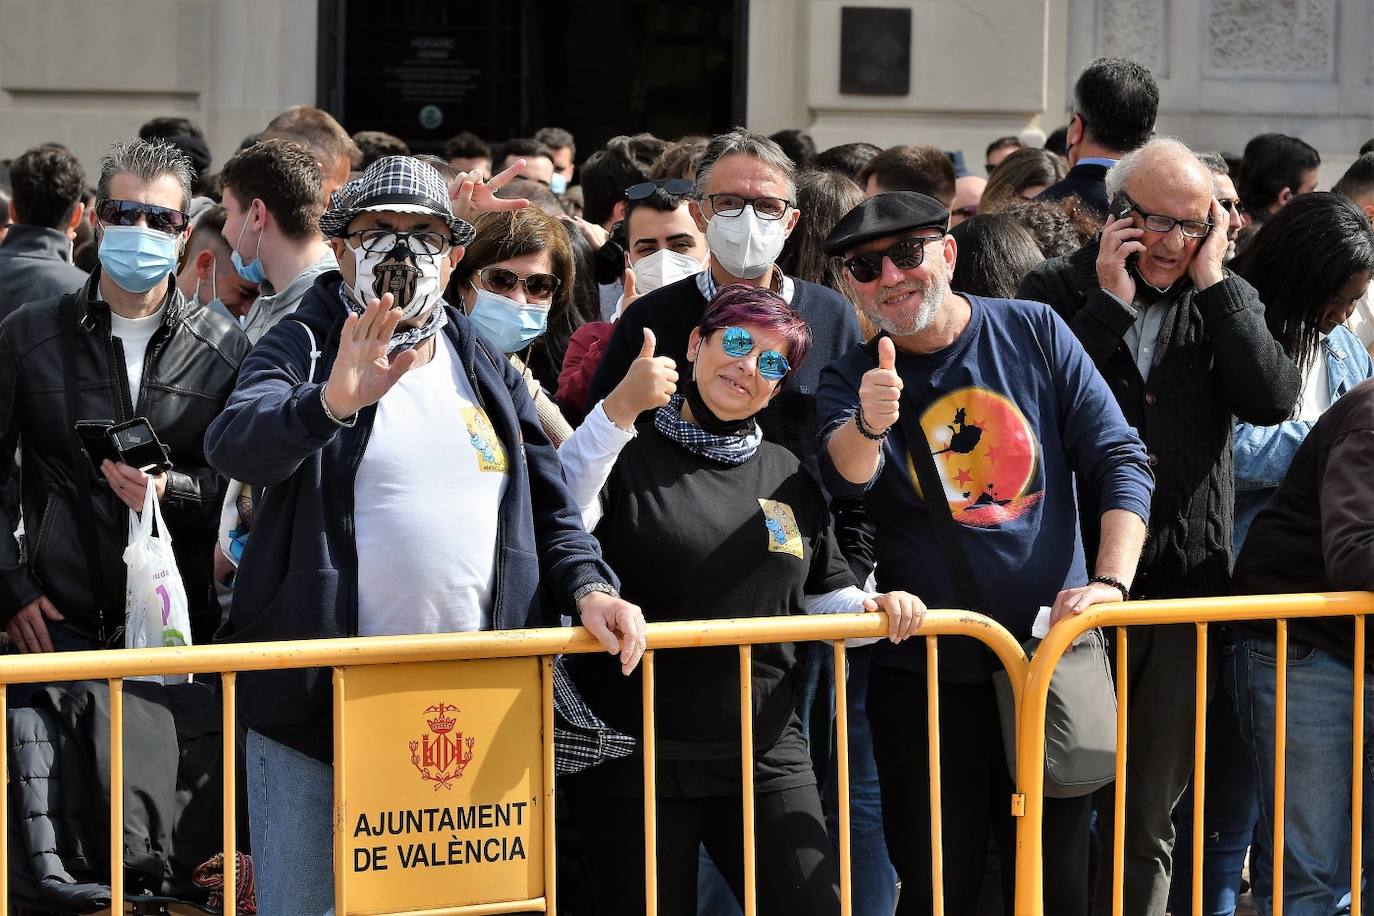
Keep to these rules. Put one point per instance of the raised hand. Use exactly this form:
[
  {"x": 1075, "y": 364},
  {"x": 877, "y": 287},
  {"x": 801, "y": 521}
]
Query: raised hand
[
  {"x": 470, "y": 196},
  {"x": 1120, "y": 240},
  {"x": 1205, "y": 268},
  {"x": 880, "y": 392},
  {"x": 362, "y": 371},
  {"x": 650, "y": 382}
]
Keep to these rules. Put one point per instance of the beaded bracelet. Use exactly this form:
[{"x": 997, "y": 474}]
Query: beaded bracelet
[{"x": 862, "y": 426}]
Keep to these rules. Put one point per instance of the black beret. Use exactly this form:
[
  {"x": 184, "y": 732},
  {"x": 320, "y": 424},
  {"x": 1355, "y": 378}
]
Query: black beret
[{"x": 886, "y": 214}]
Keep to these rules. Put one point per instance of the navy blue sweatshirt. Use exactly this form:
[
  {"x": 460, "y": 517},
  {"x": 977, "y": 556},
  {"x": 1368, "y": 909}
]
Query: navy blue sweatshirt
[
  {"x": 299, "y": 575},
  {"x": 1013, "y": 409}
]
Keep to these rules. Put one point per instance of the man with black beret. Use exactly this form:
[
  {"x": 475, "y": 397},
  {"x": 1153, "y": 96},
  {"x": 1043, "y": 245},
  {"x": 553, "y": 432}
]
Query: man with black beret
[{"x": 1011, "y": 409}]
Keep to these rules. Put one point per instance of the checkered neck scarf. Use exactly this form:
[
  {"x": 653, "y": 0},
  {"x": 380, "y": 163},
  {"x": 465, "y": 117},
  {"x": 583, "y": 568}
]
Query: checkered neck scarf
[
  {"x": 727, "y": 450},
  {"x": 410, "y": 337}
]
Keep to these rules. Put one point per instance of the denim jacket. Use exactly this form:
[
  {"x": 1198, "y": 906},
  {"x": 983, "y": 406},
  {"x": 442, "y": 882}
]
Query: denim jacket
[{"x": 1263, "y": 453}]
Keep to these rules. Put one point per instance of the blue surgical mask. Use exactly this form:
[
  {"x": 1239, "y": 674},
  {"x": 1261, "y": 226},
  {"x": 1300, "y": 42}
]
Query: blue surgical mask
[
  {"x": 506, "y": 323},
  {"x": 558, "y": 183},
  {"x": 137, "y": 258},
  {"x": 251, "y": 272}
]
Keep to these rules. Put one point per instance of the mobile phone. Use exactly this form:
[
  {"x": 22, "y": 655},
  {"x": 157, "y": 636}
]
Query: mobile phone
[
  {"x": 138, "y": 446},
  {"x": 1121, "y": 208},
  {"x": 95, "y": 441}
]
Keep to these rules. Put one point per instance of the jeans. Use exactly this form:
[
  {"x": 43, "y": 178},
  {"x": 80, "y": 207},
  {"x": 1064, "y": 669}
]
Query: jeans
[
  {"x": 290, "y": 814},
  {"x": 873, "y": 879},
  {"x": 1317, "y": 784},
  {"x": 1231, "y": 808}
]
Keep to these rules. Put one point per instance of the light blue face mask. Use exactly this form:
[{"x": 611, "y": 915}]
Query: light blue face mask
[
  {"x": 558, "y": 183},
  {"x": 252, "y": 272},
  {"x": 506, "y": 323},
  {"x": 137, "y": 258}
]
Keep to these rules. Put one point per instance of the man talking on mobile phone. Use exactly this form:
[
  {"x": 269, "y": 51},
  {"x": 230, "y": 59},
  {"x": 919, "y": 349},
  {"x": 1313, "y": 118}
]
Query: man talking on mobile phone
[
  {"x": 128, "y": 344},
  {"x": 1183, "y": 345}
]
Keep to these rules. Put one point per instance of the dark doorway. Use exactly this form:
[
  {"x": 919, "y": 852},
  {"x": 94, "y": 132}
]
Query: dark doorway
[{"x": 425, "y": 71}]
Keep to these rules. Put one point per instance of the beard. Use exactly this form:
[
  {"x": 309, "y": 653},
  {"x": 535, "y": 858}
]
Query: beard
[{"x": 916, "y": 316}]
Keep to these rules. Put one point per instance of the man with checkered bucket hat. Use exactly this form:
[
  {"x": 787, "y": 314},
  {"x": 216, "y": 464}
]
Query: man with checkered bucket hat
[{"x": 409, "y": 489}]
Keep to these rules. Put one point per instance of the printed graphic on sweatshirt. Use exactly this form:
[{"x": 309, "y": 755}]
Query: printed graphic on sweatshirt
[
  {"x": 987, "y": 456},
  {"x": 783, "y": 534},
  {"x": 491, "y": 455}
]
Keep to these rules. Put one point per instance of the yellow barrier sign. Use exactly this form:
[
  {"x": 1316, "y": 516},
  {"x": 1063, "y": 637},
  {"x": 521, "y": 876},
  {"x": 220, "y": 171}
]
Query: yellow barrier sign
[{"x": 438, "y": 785}]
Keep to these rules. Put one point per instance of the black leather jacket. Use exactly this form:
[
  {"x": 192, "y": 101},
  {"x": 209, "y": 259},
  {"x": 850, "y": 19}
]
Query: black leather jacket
[{"x": 188, "y": 372}]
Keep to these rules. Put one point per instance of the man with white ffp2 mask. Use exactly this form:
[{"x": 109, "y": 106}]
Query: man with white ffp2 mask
[{"x": 744, "y": 205}]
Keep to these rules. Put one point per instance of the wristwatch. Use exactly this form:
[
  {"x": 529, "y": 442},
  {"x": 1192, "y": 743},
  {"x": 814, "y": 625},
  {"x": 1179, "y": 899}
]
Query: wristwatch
[{"x": 586, "y": 590}]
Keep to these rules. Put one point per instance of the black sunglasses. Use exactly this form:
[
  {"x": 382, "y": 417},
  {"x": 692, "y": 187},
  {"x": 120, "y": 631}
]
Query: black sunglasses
[
  {"x": 127, "y": 212},
  {"x": 908, "y": 254},
  {"x": 678, "y": 187}
]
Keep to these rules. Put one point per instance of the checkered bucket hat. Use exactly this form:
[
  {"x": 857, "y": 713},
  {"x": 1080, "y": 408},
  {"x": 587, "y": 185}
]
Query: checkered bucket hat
[{"x": 398, "y": 184}]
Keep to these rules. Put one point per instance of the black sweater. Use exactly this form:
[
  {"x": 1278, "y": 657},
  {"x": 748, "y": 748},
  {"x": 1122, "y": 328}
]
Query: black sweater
[
  {"x": 1317, "y": 533},
  {"x": 1215, "y": 359}
]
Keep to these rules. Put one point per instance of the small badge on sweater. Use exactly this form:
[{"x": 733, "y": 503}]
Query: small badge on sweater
[
  {"x": 491, "y": 456},
  {"x": 783, "y": 534}
]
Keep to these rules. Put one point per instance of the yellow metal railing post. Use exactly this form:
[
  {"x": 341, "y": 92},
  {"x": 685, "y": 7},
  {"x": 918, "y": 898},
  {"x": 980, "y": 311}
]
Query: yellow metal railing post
[
  {"x": 229, "y": 781},
  {"x": 116, "y": 794},
  {"x": 937, "y": 853},
  {"x": 1119, "y": 793},
  {"x": 842, "y": 777},
  {"x": 1280, "y": 755},
  {"x": 1357, "y": 771},
  {"x": 746, "y": 741},
  {"x": 4, "y": 800},
  {"x": 550, "y": 787},
  {"x": 1199, "y": 763},
  {"x": 646, "y": 665}
]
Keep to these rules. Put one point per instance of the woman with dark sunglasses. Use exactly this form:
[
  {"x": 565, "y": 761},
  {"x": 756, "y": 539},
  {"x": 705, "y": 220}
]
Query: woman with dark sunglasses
[
  {"x": 704, "y": 521},
  {"x": 516, "y": 282}
]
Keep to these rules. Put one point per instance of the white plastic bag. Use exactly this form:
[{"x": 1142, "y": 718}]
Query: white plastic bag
[{"x": 155, "y": 606}]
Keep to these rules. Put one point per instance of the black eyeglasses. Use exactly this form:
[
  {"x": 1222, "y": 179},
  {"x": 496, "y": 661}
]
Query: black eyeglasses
[
  {"x": 908, "y": 254},
  {"x": 678, "y": 187},
  {"x": 377, "y": 241},
  {"x": 113, "y": 212},
  {"x": 1157, "y": 222},
  {"x": 733, "y": 205},
  {"x": 504, "y": 281}
]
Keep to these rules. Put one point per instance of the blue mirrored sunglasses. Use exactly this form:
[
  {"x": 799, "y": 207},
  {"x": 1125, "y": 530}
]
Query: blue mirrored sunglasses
[{"x": 738, "y": 342}]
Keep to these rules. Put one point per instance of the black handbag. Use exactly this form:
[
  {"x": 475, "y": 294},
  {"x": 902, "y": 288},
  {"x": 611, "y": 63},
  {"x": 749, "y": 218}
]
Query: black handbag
[{"x": 1080, "y": 717}]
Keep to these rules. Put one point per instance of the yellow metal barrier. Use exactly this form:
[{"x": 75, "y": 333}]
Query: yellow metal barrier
[
  {"x": 1200, "y": 612},
  {"x": 226, "y": 661}
]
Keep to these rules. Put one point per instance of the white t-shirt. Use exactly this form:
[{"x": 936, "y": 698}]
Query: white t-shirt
[
  {"x": 427, "y": 496},
  {"x": 134, "y": 334},
  {"x": 1316, "y": 388}
]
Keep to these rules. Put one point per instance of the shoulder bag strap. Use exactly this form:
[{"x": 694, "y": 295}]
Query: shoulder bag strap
[{"x": 81, "y": 511}]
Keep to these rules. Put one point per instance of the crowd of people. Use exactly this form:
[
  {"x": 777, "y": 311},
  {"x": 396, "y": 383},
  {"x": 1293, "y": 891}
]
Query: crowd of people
[{"x": 713, "y": 377}]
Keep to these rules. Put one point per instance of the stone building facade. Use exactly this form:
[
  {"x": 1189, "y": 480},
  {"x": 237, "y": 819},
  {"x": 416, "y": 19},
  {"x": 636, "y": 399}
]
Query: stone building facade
[{"x": 83, "y": 71}]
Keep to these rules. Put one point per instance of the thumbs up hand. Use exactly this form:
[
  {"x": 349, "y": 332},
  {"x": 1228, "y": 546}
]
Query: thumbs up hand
[
  {"x": 650, "y": 382},
  {"x": 630, "y": 295},
  {"x": 880, "y": 392}
]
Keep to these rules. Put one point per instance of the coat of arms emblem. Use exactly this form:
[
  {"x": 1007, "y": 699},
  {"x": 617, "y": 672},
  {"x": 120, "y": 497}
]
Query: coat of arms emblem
[{"x": 441, "y": 755}]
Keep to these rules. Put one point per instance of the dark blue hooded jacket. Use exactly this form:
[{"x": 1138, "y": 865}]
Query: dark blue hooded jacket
[{"x": 298, "y": 578}]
